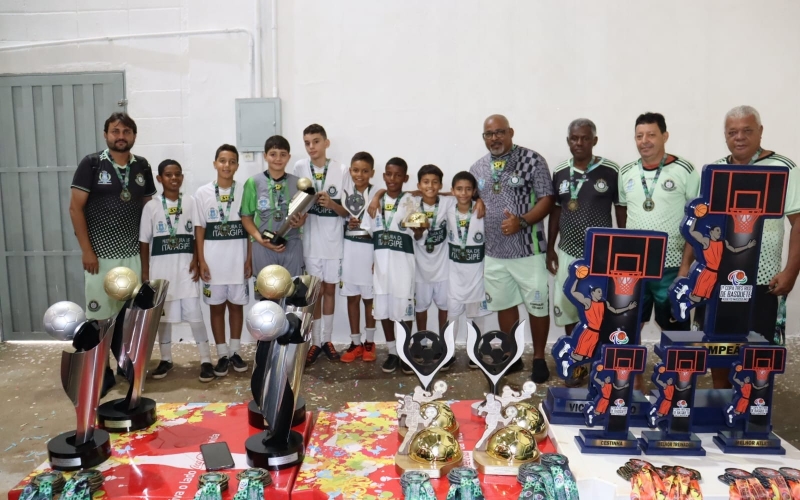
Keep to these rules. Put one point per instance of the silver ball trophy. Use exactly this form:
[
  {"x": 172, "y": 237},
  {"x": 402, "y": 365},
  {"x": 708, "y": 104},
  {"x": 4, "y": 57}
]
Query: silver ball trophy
[
  {"x": 134, "y": 335},
  {"x": 356, "y": 205},
  {"x": 82, "y": 380}
]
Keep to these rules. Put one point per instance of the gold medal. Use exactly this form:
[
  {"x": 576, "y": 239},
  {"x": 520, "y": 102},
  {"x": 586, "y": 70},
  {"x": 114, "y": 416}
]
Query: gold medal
[{"x": 572, "y": 205}]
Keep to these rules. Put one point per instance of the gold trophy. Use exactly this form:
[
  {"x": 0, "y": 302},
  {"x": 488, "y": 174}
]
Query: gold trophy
[{"x": 416, "y": 218}]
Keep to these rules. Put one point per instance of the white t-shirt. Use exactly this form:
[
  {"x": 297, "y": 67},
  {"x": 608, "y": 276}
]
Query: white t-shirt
[
  {"x": 432, "y": 267},
  {"x": 394, "y": 262},
  {"x": 465, "y": 272},
  {"x": 167, "y": 261},
  {"x": 225, "y": 251},
  {"x": 358, "y": 255},
  {"x": 322, "y": 232}
]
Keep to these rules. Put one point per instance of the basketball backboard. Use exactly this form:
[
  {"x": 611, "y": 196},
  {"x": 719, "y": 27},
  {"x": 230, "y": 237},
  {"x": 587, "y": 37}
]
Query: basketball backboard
[
  {"x": 770, "y": 359},
  {"x": 746, "y": 193},
  {"x": 683, "y": 360},
  {"x": 624, "y": 360},
  {"x": 626, "y": 257}
]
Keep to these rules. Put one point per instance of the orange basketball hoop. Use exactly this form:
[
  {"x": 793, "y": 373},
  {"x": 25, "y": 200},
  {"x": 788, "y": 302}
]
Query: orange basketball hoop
[
  {"x": 744, "y": 220},
  {"x": 623, "y": 374},
  {"x": 762, "y": 374},
  {"x": 625, "y": 283},
  {"x": 684, "y": 376}
]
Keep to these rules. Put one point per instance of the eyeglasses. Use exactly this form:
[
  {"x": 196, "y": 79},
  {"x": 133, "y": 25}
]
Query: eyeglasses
[{"x": 499, "y": 133}]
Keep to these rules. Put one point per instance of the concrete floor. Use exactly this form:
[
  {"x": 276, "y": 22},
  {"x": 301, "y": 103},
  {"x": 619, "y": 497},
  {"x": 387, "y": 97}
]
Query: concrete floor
[{"x": 35, "y": 408}]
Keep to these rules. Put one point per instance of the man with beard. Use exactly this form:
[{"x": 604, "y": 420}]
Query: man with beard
[{"x": 109, "y": 190}]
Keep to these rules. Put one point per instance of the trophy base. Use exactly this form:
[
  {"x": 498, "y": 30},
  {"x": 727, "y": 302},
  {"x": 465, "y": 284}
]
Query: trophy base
[
  {"x": 113, "y": 416},
  {"x": 256, "y": 419},
  {"x": 749, "y": 443},
  {"x": 65, "y": 456},
  {"x": 564, "y": 406},
  {"x": 722, "y": 349},
  {"x": 266, "y": 456},
  {"x": 664, "y": 443},
  {"x": 435, "y": 470},
  {"x": 607, "y": 443},
  {"x": 273, "y": 238},
  {"x": 357, "y": 233},
  {"x": 490, "y": 466},
  {"x": 415, "y": 225}
]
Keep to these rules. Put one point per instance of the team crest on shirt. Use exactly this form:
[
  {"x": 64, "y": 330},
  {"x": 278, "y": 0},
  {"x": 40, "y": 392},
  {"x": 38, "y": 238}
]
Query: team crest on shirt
[
  {"x": 514, "y": 181},
  {"x": 332, "y": 191},
  {"x": 140, "y": 179},
  {"x": 478, "y": 237},
  {"x": 481, "y": 183},
  {"x": 188, "y": 226},
  {"x": 263, "y": 204},
  {"x": 557, "y": 311},
  {"x": 105, "y": 178},
  {"x": 212, "y": 213},
  {"x": 94, "y": 306},
  {"x": 488, "y": 298},
  {"x": 629, "y": 186},
  {"x": 601, "y": 186},
  {"x": 563, "y": 188},
  {"x": 668, "y": 185},
  {"x": 161, "y": 228}
]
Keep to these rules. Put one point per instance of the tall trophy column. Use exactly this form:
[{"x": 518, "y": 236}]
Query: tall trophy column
[{"x": 82, "y": 379}]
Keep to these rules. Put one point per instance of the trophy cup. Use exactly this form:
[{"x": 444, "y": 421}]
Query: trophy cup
[
  {"x": 504, "y": 445},
  {"x": 427, "y": 426},
  {"x": 273, "y": 280},
  {"x": 82, "y": 379},
  {"x": 287, "y": 329},
  {"x": 300, "y": 204},
  {"x": 355, "y": 204},
  {"x": 135, "y": 332}
]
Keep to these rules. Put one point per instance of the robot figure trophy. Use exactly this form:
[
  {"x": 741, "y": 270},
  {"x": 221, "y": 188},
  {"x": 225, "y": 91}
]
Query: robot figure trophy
[
  {"x": 284, "y": 320},
  {"x": 82, "y": 379}
]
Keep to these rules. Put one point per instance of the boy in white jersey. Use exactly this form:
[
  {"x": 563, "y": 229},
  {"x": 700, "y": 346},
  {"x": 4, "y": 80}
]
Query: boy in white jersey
[
  {"x": 166, "y": 242},
  {"x": 223, "y": 254},
  {"x": 322, "y": 233},
  {"x": 394, "y": 265},
  {"x": 465, "y": 237},
  {"x": 356, "y": 280}
]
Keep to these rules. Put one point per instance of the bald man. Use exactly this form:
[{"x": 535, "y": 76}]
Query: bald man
[{"x": 514, "y": 184}]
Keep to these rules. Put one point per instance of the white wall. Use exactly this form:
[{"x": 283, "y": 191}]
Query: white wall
[{"x": 416, "y": 78}]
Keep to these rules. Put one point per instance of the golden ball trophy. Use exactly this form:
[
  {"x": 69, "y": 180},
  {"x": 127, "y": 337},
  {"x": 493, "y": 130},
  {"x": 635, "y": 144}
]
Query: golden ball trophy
[{"x": 504, "y": 445}]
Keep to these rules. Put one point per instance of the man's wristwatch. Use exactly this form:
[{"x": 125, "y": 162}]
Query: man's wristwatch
[{"x": 523, "y": 224}]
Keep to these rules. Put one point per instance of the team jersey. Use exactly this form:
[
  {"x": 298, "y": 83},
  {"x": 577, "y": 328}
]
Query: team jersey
[
  {"x": 170, "y": 261},
  {"x": 678, "y": 183},
  {"x": 224, "y": 251},
  {"x": 432, "y": 267},
  {"x": 322, "y": 232},
  {"x": 770, "y": 263},
  {"x": 267, "y": 201},
  {"x": 358, "y": 254},
  {"x": 596, "y": 193},
  {"x": 465, "y": 272},
  {"x": 394, "y": 264}
]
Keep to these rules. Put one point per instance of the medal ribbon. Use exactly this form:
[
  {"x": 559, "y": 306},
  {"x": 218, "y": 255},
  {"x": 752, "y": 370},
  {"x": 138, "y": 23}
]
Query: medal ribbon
[
  {"x": 284, "y": 194},
  {"x": 122, "y": 180},
  {"x": 387, "y": 223},
  {"x": 647, "y": 192},
  {"x": 576, "y": 184},
  {"x": 755, "y": 156},
  {"x": 173, "y": 229},
  {"x": 433, "y": 222},
  {"x": 462, "y": 238},
  {"x": 223, "y": 216},
  {"x": 497, "y": 170},
  {"x": 320, "y": 185}
]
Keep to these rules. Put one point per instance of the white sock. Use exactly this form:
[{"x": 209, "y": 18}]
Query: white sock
[
  {"x": 369, "y": 334},
  {"x": 316, "y": 333},
  {"x": 222, "y": 350},
  {"x": 327, "y": 327},
  {"x": 236, "y": 344},
  {"x": 200, "y": 335},
  {"x": 392, "y": 345},
  {"x": 355, "y": 338},
  {"x": 165, "y": 341}
]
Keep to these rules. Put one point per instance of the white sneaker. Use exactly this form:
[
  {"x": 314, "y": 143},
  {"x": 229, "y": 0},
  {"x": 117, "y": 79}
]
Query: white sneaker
[
  {"x": 682, "y": 291},
  {"x": 565, "y": 368},
  {"x": 564, "y": 350},
  {"x": 683, "y": 310}
]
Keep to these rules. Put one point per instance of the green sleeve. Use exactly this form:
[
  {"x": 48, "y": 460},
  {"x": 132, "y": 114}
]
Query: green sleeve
[{"x": 248, "y": 207}]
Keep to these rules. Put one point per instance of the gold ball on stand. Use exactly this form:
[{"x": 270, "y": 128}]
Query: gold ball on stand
[
  {"x": 445, "y": 419},
  {"x": 512, "y": 443},
  {"x": 274, "y": 282},
  {"x": 435, "y": 445},
  {"x": 416, "y": 220},
  {"x": 303, "y": 183},
  {"x": 529, "y": 418},
  {"x": 121, "y": 283}
]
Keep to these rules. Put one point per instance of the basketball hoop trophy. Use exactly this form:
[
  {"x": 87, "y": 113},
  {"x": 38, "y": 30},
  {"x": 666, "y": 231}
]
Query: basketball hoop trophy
[
  {"x": 286, "y": 327},
  {"x": 82, "y": 379},
  {"x": 300, "y": 204},
  {"x": 135, "y": 333},
  {"x": 676, "y": 379},
  {"x": 753, "y": 377},
  {"x": 606, "y": 286},
  {"x": 612, "y": 377},
  {"x": 427, "y": 426}
]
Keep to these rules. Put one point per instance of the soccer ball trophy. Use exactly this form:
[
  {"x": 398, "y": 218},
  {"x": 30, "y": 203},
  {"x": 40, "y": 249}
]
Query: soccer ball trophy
[
  {"x": 134, "y": 335},
  {"x": 282, "y": 325},
  {"x": 302, "y": 201},
  {"x": 82, "y": 379}
]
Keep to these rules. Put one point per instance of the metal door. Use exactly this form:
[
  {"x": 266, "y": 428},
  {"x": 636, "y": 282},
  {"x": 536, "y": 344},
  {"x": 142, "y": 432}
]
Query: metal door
[{"x": 47, "y": 124}]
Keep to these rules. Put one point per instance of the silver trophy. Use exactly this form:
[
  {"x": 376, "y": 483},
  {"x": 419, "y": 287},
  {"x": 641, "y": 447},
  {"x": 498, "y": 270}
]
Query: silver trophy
[
  {"x": 355, "y": 204},
  {"x": 82, "y": 379},
  {"x": 283, "y": 320},
  {"x": 300, "y": 204},
  {"x": 132, "y": 346},
  {"x": 494, "y": 352}
]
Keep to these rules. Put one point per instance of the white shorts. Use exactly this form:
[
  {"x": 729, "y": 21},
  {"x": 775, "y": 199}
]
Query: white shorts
[
  {"x": 366, "y": 291},
  {"x": 327, "y": 269},
  {"x": 176, "y": 311},
  {"x": 427, "y": 293},
  {"x": 215, "y": 295},
  {"x": 388, "y": 307},
  {"x": 473, "y": 309}
]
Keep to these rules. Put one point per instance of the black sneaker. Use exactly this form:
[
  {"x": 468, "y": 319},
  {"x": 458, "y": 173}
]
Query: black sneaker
[
  {"x": 108, "y": 382},
  {"x": 162, "y": 369},
  {"x": 206, "y": 372},
  {"x": 222, "y": 367},
  {"x": 330, "y": 351},
  {"x": 390, "y": 365},
  {"x": 313, "y": 354},
  {"x": 238, "y": 363},
  {"x": 518, "y": 366},
  {"x": 447, "y": 365},
  {"x": 540, "y": 373},
  {"x": 406, "y": 369}
]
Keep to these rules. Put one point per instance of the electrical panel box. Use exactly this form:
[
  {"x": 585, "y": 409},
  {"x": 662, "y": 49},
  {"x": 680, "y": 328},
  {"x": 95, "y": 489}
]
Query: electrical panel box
[{"x": 256, "y": 120}]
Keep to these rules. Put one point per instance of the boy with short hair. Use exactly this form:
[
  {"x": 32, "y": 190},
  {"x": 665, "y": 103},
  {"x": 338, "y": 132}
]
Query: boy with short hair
[
  {"x": 356, "y": 281},
  {"x": 322, "y": 234},
  {"x": 166, "y": 242},
  {"x": 394, "y": 265},
  {"x": 223, "y": 255},
  {"x": 466, "y": 252}
]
